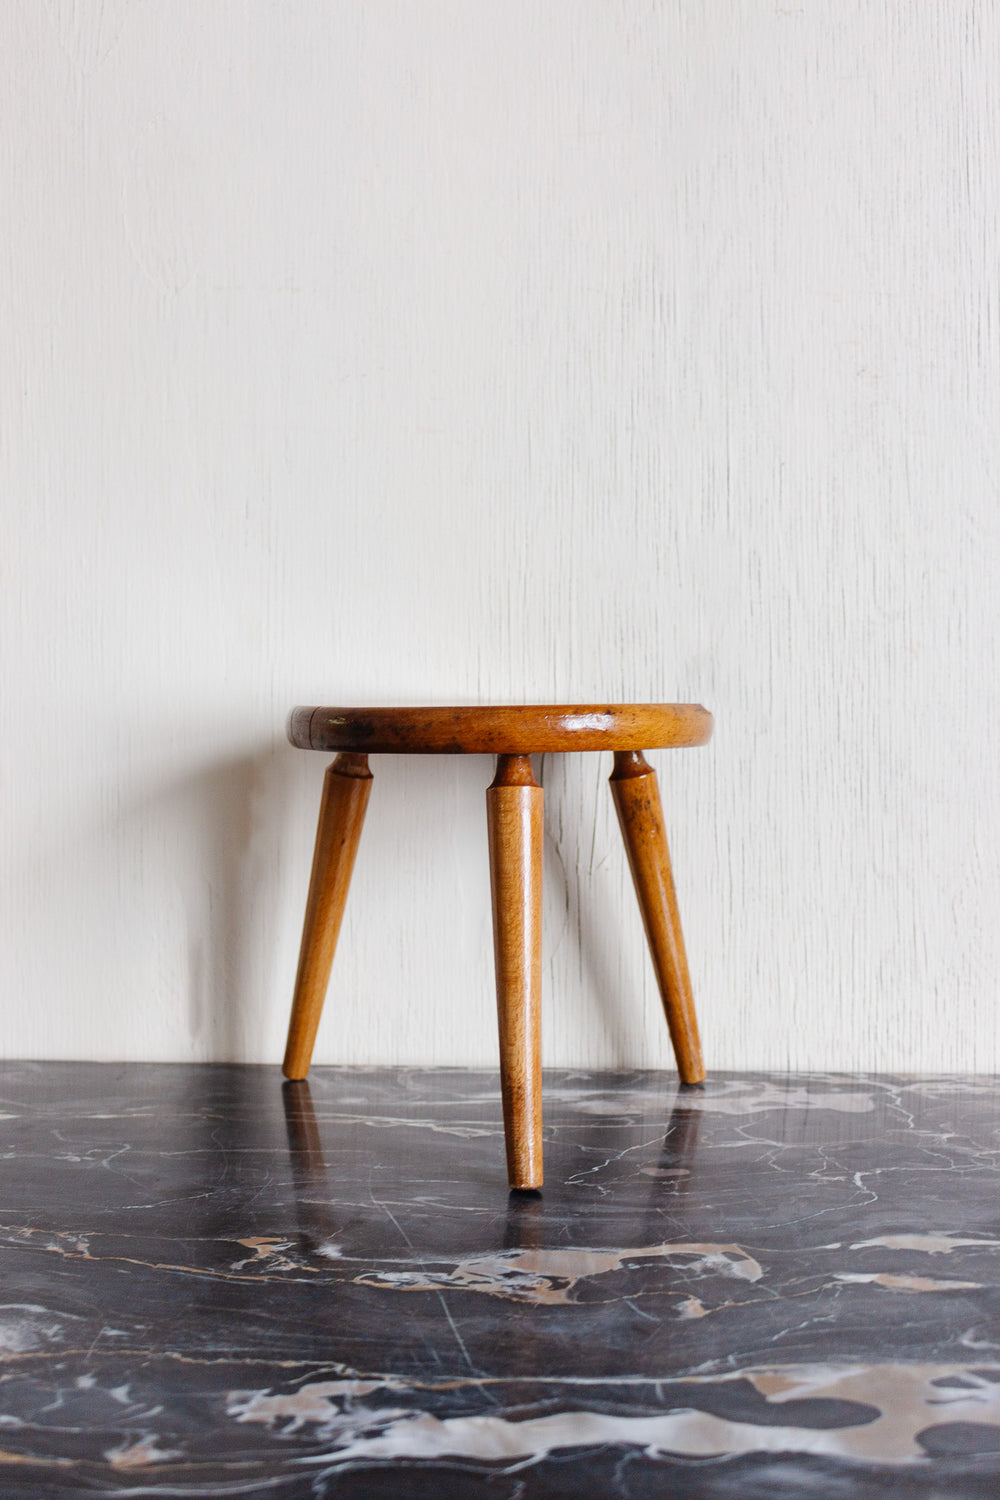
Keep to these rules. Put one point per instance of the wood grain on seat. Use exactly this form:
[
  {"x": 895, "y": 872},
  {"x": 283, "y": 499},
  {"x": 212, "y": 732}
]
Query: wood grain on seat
[{"x": 523, "y": 730}]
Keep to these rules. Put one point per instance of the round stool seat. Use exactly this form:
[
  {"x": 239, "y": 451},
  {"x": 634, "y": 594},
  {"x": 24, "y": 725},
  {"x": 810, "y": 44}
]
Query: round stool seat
[{"x": 536, "y": 729}]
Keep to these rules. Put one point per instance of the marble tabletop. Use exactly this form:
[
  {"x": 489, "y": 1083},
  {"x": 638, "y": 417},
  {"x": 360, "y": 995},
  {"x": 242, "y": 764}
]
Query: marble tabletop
[{"x": 767, "y": 1286}]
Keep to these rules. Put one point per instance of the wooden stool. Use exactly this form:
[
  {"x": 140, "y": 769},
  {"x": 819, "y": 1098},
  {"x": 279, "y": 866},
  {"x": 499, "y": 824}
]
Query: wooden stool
[{"x": 514, "y": 820}]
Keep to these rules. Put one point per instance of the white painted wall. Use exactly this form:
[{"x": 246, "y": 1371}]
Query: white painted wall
[{"x": 393, "y": 352}]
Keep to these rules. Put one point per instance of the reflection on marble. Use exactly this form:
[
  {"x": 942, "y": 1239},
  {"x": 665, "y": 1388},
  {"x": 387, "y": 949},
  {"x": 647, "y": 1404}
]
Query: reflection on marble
[{"x": 764, "y": 1287}]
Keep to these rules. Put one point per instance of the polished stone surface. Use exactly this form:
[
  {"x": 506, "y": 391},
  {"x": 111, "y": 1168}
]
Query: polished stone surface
[{"x": 780, "y": 1286}]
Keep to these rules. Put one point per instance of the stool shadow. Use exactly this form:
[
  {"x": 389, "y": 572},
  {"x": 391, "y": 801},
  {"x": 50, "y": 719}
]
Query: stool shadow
[
  {"x": 231, "y": 799},
  {"x": 587, "y": 920},
  {"x": 234, "y": 816},
  {"x": 230, "y": 818}
]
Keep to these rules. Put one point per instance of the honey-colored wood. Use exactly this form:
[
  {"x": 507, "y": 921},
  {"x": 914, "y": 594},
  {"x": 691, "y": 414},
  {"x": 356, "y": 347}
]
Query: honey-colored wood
[
  {"x": 640, "y": 816},
  {"x": 346, "y": 788},
  {"x": 526, "y": 730},
  {"x": 514, "y": 820},
  {"x": 514, "y": 817}
]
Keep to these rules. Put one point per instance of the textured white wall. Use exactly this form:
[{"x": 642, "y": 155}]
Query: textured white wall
[{"x": 391, "y": 352}]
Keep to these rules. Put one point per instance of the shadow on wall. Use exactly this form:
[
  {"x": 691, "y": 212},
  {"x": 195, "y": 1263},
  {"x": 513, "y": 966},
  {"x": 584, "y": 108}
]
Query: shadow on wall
[
  {"x": 235, "y": 839},
  {"x": 249, "y": 824},
  {"x": 603, "y": 1005},
  {"x": 223, "y": 829},
  {"x": 219, "y": 835},
  {"x": 240, "y": 808}
]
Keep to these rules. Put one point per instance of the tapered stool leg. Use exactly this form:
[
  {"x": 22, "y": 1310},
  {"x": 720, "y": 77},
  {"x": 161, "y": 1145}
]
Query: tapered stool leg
[
  {"x": 637, "y": 799},
  {"x": 514, "y": 819},
  {"x": 346, "y": 789}
]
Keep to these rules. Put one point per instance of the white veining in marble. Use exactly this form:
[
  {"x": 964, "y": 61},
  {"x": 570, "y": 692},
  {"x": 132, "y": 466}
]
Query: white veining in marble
[
  {"x": 934, "y": 1242},
  {"x": 26, "y": 1326},
  {"x": 895, "y": 1403},
  {"x": 315, "y": 1402},
  {"x": 895, "y": 1281},
  {"x": 549, "y": 1276}
]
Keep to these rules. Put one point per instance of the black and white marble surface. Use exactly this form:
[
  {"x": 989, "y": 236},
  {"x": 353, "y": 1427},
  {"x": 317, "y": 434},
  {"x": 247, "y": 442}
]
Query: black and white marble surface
[{"x": 770, "y": 1286}]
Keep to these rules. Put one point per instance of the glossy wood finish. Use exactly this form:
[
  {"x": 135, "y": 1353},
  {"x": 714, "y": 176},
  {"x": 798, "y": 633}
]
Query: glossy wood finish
[
  {"x": 640, "y": 816},
  {"x": 514, "y": 817},
  {"x": 346, "y": 790},
  {"x": 514, "y": 820},
  {"x": 525, "y": 730}
]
